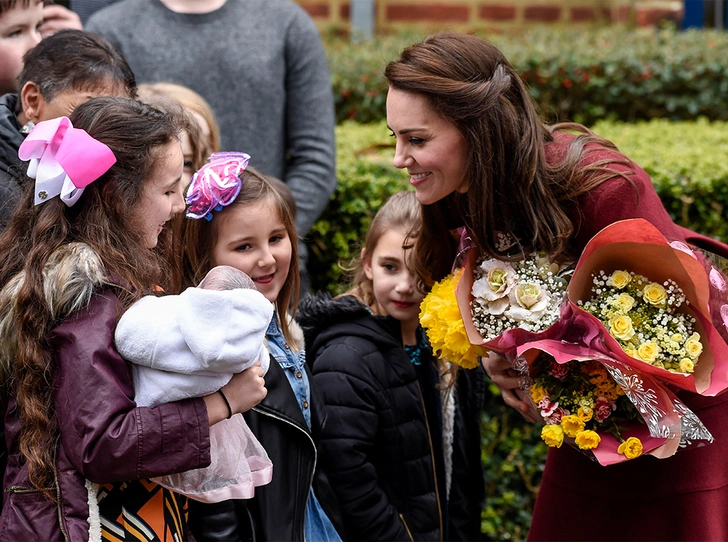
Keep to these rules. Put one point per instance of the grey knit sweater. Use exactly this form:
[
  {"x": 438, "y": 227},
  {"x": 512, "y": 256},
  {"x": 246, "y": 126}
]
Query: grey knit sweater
[{"x": 261, "y": 66}]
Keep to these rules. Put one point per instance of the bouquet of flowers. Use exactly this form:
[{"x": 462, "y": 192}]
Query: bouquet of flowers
[
  {"x": 649, "y": 304},
  {"x": 610, "y": 336},
  {"x": 607, "y": 410},
  {"x": 526, "y": 294},
  {"x": 580, "y": 401},
  {"x": 645, "y": 319}
]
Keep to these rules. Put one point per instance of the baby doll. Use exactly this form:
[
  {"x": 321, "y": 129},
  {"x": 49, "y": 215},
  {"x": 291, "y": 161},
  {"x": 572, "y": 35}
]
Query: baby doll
[{"x": 190, "y": 345}]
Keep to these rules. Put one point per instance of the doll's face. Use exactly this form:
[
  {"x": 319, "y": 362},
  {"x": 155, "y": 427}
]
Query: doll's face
[{"x": 430, "y": 147}]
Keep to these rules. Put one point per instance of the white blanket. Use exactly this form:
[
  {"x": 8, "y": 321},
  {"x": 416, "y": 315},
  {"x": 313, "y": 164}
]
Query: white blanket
[{"x": 190, "y": 345}]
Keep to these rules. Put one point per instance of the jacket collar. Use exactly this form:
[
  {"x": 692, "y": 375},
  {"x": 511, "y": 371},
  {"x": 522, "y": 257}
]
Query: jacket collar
[{"x": 280, "y": 400}]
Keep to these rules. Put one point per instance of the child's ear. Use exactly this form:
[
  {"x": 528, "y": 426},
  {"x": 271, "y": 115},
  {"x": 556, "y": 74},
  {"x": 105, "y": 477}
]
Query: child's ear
[
  {"x": 31, "y": 100},
  {"x": 366, "y": 263}
]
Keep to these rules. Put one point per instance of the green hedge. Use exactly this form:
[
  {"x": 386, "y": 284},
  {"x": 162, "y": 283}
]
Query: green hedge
[
  {"x": 688, "y": 162},
  {"x": 614, "y": 73}
]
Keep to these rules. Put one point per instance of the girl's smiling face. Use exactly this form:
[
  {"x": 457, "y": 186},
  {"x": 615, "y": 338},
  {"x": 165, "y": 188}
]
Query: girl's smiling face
[
  {"x": 252, "y": 238},
  {"x": 162, "y": 195},
  {"x": 429, "y": 146}
]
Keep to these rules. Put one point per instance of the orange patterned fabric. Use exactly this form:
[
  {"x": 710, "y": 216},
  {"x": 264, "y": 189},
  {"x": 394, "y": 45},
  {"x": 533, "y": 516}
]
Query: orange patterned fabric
[{"x": 141, "y": 511}]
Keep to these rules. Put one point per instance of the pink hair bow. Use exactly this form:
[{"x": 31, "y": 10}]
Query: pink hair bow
[
  {"x": 216, "y": 184},
  {"x": 63, "y": 160}
]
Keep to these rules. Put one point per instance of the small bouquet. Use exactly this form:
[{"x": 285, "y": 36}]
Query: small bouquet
[
  {"x": 580, "y": 401},
  {"x": 649, "y": 304},
  {"x": 646, "y": 319},
  {"x": 526, "y": 294},
  {"x": 607, "y": 410}
]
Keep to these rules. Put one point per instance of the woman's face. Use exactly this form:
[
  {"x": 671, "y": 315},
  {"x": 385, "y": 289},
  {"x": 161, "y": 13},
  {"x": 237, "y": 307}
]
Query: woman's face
[{"x": 429, "y": 146}]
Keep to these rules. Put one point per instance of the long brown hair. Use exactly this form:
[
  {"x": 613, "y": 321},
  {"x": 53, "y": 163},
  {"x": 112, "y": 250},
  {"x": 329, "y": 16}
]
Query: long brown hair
[
  {"x": 400, "y": 212},
  {"x": 102, "y": 219},
  {"x": 512, "y": 188},
  {"x": 193, "y": 259}
]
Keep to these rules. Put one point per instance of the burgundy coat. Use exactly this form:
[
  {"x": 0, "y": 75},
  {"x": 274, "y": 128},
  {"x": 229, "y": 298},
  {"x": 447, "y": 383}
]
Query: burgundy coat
[
  {"x": 684, "y": 497},
  {"x": 104, "y": 436}
]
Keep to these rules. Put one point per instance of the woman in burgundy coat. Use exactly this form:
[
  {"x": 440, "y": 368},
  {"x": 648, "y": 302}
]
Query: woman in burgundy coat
[{"x": 478, "y": 156}]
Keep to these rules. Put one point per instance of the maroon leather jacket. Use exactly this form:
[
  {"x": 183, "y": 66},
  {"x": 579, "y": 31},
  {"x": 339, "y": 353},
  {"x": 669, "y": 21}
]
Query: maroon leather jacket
[{"x": 104, "y": 436}]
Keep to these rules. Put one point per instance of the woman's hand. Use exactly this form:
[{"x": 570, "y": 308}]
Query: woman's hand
[
  {"x": 243, "y": 392},
  {"x": 506, "y": 378}
]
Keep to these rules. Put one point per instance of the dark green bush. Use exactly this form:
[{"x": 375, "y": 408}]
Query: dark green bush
[{"x": 583, "y": 75}]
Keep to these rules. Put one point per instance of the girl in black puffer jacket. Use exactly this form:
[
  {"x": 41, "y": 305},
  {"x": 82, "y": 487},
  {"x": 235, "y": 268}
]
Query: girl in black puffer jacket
[{"x": 401, "y": 447}]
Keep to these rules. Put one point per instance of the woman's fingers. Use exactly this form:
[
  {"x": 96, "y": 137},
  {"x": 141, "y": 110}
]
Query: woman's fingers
[{"x": 509, "y": 383}]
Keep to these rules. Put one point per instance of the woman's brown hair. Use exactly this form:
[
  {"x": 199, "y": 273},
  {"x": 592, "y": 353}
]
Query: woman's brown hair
[
  {"x": 193, "y": 259},
  {"x": 102, "y": 219},
  {"x": 512, "y": 188}
]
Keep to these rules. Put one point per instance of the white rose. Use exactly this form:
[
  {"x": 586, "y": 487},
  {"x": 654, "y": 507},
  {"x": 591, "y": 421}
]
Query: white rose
[
  {"x": 497, "y": 280},
  {"x": 528, "y": 302}
]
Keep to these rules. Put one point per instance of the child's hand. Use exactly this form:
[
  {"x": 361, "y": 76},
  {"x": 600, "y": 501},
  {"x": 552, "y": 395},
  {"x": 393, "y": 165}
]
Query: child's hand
[
  {"x": 246, "y": 389},
  {"x": 56, "y": 17}
]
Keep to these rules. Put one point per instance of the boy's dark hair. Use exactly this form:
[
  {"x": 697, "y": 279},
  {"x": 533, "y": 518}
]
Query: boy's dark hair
[
  {"x": 7, "y": 5},
  {"x": 76, "y": 60}
]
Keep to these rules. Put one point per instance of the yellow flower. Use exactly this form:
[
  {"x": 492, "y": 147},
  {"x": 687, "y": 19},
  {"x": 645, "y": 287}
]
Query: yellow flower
[
  {"x": 676, "y": 337},
  {"x": 620, "y": 279},
  {"x": 648, "y": 351},
  {"x": 585, "y": 414},
  {"x": 624, "y": 302},
  {"x": 620, "y": 327},
  {"x": 587, "y": 440},
  {"x": 654, "y": 294},
  {"x": 538, "y": 393},
  {"x": 572, "y": 425},
  {"x": 440, "y": 316},
  {"x": 630, "y": 448},
  {"x": 687, "y": 365},
  {"x": 693, "y": 347},
  {"x": 553, "y": 435}
]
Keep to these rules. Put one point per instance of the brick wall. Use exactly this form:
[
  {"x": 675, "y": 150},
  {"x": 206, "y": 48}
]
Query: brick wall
[{"x": 494, "y": 15}]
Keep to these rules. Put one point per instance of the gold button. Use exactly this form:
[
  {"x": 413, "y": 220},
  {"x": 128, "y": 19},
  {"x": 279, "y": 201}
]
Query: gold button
[
  {"x": 285, "y": 345},
  {"x": 42, "y": 194},
  {"x": 305, "y": 404},
  {"x": 298, "y": 374}
]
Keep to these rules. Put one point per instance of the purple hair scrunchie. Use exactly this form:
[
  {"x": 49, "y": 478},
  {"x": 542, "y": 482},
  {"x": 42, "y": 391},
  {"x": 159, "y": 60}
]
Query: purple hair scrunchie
[{"x": 216, "y": 184}]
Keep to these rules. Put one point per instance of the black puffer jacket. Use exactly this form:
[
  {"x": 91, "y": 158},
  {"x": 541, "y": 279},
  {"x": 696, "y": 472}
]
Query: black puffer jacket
[
  {"x": 381, "y": 451},
  {"x": 10, "y": 165}
]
